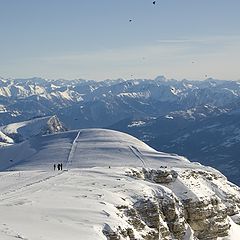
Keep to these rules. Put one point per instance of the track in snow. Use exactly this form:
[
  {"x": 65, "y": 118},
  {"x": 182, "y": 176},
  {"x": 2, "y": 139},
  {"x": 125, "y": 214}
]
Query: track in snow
[
  {"x": 27, "y": 185},
  {"x": 72, "y": 150},
  {"x": 138, "y": 154}
]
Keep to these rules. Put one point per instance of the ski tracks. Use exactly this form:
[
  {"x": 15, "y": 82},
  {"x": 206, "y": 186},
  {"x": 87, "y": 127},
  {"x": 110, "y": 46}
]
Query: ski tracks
[
  {"x": 73, "y": 149},
  {"x": 26, "y": 186},
  {"x": 5, "y": 195},
  {"x": 138, "y": 154}
]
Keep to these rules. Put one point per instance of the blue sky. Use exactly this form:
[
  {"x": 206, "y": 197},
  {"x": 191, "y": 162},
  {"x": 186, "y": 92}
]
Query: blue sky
[{"x": 95, "y": 40}]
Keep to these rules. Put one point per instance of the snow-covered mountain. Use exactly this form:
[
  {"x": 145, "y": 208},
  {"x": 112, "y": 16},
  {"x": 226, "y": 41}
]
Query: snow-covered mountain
[
  {"x": 161, "y": 112},
  {"x": 94, "y": 104},
  {"x": 21, "y": 131},
  {"x": 113, "y": 187}
]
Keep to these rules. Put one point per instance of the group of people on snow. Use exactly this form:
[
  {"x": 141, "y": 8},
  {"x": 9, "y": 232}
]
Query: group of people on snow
[{"x": 58, "y": 166}]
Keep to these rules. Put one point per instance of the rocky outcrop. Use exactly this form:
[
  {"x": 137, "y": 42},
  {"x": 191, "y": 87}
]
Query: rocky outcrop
[
  {"x": 208, "y": 218},
  {"x": 160, "y": 175},
  {"x": 153, "y": 219},
  {"x": 21, "y": 131},
  {"x": 54, "y": 125},
  {"x": 167, "y": 214}
]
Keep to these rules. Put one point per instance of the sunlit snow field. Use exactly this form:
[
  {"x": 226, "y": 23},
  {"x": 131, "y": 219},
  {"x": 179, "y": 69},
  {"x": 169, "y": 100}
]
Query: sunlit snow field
[{"x": 39, "y": 203}]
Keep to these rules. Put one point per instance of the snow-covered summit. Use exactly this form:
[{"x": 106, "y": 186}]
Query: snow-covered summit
[
  {"x": 113, "y": 187},
  {"x": 85, "y": 148}
]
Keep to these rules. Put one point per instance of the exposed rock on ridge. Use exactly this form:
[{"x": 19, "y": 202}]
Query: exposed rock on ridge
[
  {"x": 21, "y": 131},
  {"x": 175, "y": 208}
]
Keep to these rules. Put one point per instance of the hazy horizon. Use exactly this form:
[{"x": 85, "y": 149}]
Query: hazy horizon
[{"x": 113, "y": 79}]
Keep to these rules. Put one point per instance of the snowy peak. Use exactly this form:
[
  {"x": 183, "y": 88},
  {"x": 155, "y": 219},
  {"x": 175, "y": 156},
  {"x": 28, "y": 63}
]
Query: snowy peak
[
  {"x": 116, "y": 99},
  {"x": 18, "y": 132}
]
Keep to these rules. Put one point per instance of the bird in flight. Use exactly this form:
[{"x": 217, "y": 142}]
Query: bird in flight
[{"x": 154, "y": 3}]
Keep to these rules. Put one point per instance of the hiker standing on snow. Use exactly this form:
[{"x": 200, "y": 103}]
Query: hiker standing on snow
[
  {"x": 59, "y": 167},
  {"x": 54, "y": 167}
]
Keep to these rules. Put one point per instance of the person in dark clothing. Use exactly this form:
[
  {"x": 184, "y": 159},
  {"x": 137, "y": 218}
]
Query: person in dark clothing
[
  {"x": 54, "y": 167},
  {"x": 59, "y": 167}
]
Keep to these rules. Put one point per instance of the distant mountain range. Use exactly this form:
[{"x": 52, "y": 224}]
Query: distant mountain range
[{"x": 197, "y": 119}]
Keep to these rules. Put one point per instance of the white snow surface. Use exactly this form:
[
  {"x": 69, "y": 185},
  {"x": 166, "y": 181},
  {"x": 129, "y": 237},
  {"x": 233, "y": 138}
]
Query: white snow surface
[
  {"x": 38, "y": 203},
  {"x": 73, "y": 205},
  {"x": 4, "y": 139},
  {"x": 87, "y": 148},
  {"x": 26, "y": 129}
]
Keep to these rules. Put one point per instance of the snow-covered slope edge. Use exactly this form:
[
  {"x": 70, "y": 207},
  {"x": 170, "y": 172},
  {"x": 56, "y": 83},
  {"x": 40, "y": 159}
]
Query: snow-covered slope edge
[
  {"x": 20, "y": 131},
  {"x": 116, "y": 187}
]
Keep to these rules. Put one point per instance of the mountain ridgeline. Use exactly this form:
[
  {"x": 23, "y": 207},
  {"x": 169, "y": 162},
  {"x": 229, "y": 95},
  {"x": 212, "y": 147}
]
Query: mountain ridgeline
[{"x": 197, "y": 119}]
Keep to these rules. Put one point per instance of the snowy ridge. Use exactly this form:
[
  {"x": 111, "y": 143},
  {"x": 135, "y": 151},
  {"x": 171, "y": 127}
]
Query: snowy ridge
[
  {"x": 126, "y": 97},
  {"x": 114, "y": 187},
  {"x": 4, "y": 139},
  {"x": 87, "y": 148},
  {"x": 17, "y": 132}
]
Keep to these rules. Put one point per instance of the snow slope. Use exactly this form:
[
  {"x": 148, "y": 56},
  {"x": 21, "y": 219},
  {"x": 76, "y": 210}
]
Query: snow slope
[
  {"x": 20, "y": 131},
  {"x": 76, "y": 204},
  {"x": 86, "y": 148},
  {"x": 89, "y": 200},
  {"x": 4, "y": 139}
]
